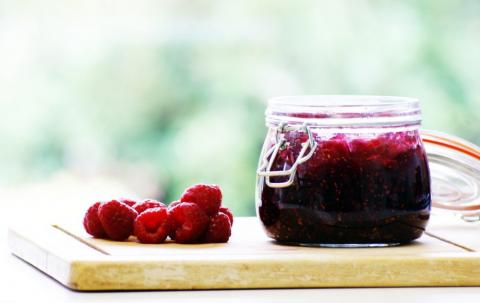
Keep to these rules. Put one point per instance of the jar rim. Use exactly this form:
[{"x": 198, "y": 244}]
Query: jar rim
[
  {"x": 344, "y": 110},
  {"x": 341, "y": 100}
]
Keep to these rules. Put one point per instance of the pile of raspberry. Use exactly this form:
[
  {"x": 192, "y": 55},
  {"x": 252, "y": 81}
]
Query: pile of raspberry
[{"x": 198, "y": 217}]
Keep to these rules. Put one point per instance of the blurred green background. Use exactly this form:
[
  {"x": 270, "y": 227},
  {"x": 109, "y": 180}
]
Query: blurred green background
[{"x": 157, "y": 95}]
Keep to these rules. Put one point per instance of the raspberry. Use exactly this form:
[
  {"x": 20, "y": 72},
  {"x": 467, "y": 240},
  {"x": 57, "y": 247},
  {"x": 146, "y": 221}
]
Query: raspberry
[
  {"x": 92, "y": 224},
  {"x": 208, "y": 197},
  {"x": 151, "y": 226},
  {"x": 187, "y": 222},
  {"x": 117, "y": 219},
  {"x": 227, "y": 211},
  {"x": 129, "y": 202},
  {"x": 219, "y": 229},
  {"x": 140, "y": 207},
  {"x": 173, "y": 204}
]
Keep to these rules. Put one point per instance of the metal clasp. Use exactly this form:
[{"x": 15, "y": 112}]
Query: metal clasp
[{"x": 265, "y": 169}]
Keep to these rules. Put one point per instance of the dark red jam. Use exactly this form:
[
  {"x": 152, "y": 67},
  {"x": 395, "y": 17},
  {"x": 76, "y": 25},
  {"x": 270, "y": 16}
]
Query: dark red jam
[{"x": 355, "y": 189}]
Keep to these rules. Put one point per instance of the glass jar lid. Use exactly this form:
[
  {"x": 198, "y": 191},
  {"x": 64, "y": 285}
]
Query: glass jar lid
[{"x": 455, "y": 172}]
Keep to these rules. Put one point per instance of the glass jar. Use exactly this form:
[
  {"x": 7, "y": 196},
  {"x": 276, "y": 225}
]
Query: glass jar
[{"x": 346, "y": 171}]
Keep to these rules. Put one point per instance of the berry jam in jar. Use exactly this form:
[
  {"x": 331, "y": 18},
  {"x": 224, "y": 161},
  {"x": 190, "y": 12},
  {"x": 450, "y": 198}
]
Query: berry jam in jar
[{"x": 343, "y": 171}]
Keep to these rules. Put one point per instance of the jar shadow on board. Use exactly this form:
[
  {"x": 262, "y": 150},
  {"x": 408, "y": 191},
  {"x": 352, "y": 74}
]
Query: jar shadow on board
[{"x": 343, "y": 171}]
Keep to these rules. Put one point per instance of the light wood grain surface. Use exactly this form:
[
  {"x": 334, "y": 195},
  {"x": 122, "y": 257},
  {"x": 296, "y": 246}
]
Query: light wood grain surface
[
  {"x": 21, "y": 282},
  {"x": 249, "y": 260}
]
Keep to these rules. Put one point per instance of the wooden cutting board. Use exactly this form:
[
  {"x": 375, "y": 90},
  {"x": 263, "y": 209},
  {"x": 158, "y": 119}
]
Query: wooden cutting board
[{"x": 447, "y": 255}]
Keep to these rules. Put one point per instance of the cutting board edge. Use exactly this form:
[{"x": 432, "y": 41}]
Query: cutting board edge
[
  {"x": 55, "y": 266},
  {"x": 276, "y": 274}
]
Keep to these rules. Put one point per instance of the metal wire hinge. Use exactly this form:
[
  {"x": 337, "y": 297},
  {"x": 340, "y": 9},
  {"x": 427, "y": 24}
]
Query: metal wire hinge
[{"x": 265, "y": 169}]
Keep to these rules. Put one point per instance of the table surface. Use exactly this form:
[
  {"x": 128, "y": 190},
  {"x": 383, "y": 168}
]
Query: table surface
[{"x": 21, "y": 282}]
